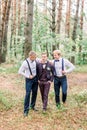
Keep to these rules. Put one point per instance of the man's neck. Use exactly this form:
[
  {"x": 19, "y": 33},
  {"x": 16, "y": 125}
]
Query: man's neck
[{"x": 44, "y": 61}]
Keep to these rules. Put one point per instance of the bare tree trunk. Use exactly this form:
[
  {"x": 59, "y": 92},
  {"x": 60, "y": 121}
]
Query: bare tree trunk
[
  {"x": 45, "y": 7},
  {"x": 25, "y": 21},
  {"x": 81, "y": 27},
  {"x": 14, "y": 26},
  {"x": 59, "y": 18},
  {"x": 29, "y": 25},
  {"x": 5, "y": 31},
  {"x": 36, "y": 23},
  {"x": 0, "y": 35},
  {"x": 19, "y": 9},
  {"x": 76, "y": 21},
  {"x": 81, "y": 18},
  {"x": 53, "y": 16},
  {"x": 45, "y": 23},
  {"x": 74, "y": 30},
  {"x": 2, "y": 21},
  {"x": 25, "y": 11},
  {"x": 4, "y": 9},
  {"x": 67, "y": 25},
  {"x": 53, "y": 21}
]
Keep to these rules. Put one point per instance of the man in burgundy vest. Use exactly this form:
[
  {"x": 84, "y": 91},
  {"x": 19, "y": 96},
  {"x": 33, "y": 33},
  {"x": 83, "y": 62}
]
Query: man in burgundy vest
[{"x": 45, "y": 75}]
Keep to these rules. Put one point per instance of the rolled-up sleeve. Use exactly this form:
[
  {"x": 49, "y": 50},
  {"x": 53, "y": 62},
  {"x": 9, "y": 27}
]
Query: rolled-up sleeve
[
  {"x": 22, "y": 70},
  {"x": 69, "y": 66}
]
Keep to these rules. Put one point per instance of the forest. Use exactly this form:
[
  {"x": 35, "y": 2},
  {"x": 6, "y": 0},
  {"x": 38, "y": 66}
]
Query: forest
[{"x": 43, "y": 26}]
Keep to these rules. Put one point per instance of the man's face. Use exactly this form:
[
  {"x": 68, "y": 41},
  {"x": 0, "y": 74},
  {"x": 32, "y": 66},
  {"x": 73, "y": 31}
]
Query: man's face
[
  {"x": 44, "y": 57},
  {"x": 32, "y": 57},
  {"x": 56, "y": 55}
]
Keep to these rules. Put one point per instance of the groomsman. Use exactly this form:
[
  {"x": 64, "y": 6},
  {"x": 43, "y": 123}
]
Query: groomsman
[
  {"x": 62, "y": 68},
  {"x": 29, "y": 71}
]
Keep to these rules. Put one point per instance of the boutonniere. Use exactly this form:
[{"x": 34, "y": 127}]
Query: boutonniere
[{"x": 48, "y": 68}]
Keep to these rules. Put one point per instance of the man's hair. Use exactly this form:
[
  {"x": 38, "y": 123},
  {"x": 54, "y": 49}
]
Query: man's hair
[
  {"x": 32, "y": 53},
  {"x": 57, "y": 51},
  {"x": 44, "y": 53}
]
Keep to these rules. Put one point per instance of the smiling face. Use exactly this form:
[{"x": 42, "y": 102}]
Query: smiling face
[
  {"x": 56, "y": 54},
  {"x": 44, "y": 57},
  {"x": 32, "y": 56}
]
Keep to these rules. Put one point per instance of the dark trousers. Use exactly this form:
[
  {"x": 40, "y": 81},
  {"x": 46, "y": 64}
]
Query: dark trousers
[
  {"x": 44, "y": 90},
  {"x": 62, "y": 81},
  {"x": 31, "y": 86}
]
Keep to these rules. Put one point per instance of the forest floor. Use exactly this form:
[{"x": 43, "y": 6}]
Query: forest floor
[{"x": 71, "y": 117}]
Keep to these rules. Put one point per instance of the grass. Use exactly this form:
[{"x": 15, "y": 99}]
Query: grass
[
  {"x": 71, "y": 117},
  {"x": 9, "y": 68},
  {"x": 81, "y": 68},
  {"x": 81, "y": 98},
  {"x": 8, "y": 100},
  {"x": 5, "y": 101}
]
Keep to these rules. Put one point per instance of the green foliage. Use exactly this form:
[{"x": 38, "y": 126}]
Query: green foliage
[
  {"x": 39, "y": 32},
  {"x": 43, "y": 39},
  {"x": 52, "y": 94},
  {"x": 81, "y": 98},
  {"x": 11, "y": 69},
  {"x": 81, "y": 68},
  {"x": 81, "y": 56},
  {"x": 4, "y": 102}
]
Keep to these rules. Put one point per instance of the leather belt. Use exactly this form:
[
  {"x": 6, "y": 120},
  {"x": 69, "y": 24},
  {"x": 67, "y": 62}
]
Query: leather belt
[{"x": 60, "y": 76}]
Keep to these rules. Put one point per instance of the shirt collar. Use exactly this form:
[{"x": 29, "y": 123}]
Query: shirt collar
[{"x": 31, "y": 61}]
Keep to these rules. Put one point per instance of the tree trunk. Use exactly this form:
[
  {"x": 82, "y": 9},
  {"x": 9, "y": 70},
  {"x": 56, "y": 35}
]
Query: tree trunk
[
  {"x": 74, "y": 30},
  {"x": 2, "y": 21},
  {"x": 76, "y": 21},
  {"x": 45, "y": 23},
  {"x": 0, "y": 35},
  {"x": 53, "y": 16},
  {"x": 14, "y": 27},
  {"x": 67, "y": 25},
  {"x": 19, "y": 9},
  {"x": 81, "y": 27},
  {"x": 81, "y": 19},
  {"x": 29, "y": 26},
  {"x": 5, "y": 32},
  {"x": 53, "y": 27},
  {"x": 59, "y": 18},
  {"x": 45, "y": 7},
  {"x": 4, "y": 9}
]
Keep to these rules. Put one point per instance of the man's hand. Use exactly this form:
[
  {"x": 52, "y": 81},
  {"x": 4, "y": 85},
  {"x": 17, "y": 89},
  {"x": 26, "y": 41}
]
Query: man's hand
[
  {"x": 38, "y": 81},
  {"x": 49, "y": 82},
  {"x": 31, "y": 76},
  {"x": 63, "y": 72}
]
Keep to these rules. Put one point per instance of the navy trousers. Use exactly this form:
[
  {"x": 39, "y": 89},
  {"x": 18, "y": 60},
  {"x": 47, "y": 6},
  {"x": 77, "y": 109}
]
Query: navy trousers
[
  {"x": 60, "y": 81},
  {"x": 31, "y": 87}
]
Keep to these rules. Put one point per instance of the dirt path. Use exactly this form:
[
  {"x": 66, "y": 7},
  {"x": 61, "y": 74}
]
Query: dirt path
[{"x": 70, "y": 118}]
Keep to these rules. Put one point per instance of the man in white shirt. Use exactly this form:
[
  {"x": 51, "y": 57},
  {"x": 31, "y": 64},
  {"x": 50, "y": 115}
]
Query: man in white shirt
[
  {"x": 62, "y": 67},
  {"x": 29, "y": 71}
]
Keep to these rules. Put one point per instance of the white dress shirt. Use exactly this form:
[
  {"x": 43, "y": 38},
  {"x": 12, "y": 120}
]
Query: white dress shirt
[
  {"x": 24, "y": 69},
  {"x": 68, "y": 66}
]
